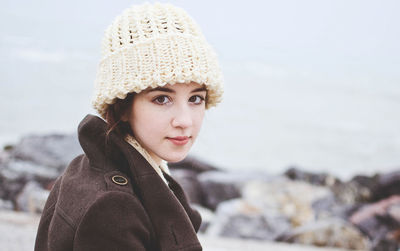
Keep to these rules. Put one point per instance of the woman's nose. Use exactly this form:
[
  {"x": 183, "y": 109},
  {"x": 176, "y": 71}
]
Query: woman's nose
[{"x": 182, "y": 117}]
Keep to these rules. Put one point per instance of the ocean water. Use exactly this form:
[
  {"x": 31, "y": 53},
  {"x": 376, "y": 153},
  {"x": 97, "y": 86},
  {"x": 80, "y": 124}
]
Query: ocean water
[
  {"x": 323, "y": 104},
  {"x": 266, "y": 121},
  {"x": 271, "y": 121}
]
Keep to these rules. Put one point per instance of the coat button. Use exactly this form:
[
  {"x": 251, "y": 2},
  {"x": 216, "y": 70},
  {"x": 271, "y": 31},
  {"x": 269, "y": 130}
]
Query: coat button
[{"x": 119, "y": 180}]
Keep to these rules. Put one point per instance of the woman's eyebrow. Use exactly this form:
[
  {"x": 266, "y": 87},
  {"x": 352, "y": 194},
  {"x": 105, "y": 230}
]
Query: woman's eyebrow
[
  {"x": 165, "y": 89},
  {"x": 201, "y": 89},
  {"x": 162, "y": 89}
]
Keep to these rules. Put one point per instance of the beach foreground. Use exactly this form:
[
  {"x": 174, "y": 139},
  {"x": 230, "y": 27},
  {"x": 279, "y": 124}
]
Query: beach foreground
[{"x": 18, "y": 231}]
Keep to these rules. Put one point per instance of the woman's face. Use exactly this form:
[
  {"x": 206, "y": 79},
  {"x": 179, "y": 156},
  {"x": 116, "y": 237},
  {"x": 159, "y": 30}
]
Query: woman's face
[{"x": 166, "y": 120}]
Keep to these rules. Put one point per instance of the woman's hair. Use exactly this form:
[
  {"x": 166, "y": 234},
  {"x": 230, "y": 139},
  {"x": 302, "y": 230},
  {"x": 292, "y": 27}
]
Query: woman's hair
[{"x": 114, "y": 114}]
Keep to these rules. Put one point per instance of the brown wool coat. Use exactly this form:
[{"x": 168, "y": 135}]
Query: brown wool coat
[{"x": 88, "y": 211}]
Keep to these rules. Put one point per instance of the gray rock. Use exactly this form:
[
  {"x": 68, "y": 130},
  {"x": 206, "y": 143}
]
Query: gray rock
[
  {"x": 360, "y": 189},
  {"x": 292, "y": 199},
  {"x": 388, "y": 184},
  {"x": 16, "y": 169},
  {"x": 188, "y": 180},
  {"x": 16, "y": 173},
  {"x": 394, "y": 212},
  {"x": 237, "y": 218},
  {"x": 379, "y": 222},
  {"x": 218, "y": 186},
  {"x": 32, "y": 198},
  {"x": 384, "y": 245},
  {"x": 10, "y": 188},
  {"x": 35, "y": 158},
  {"x": 54, "y": 151},
  {"x": 207, "y": 217},
  {"x": 321, "y": 179},
  {"x": 329, "y": 206},
  {"x": 365, "y": 189},
  {"x": 4, "y": 156},
  {"x": 327, "y": 233}
]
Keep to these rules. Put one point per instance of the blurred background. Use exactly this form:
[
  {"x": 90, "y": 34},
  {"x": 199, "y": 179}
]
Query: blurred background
[
  {"x": 313, "y": 84},
  {"x": 309, "y": 83}
]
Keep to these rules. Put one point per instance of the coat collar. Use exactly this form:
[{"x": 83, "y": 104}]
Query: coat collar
[{"x": 177, "y": 223}]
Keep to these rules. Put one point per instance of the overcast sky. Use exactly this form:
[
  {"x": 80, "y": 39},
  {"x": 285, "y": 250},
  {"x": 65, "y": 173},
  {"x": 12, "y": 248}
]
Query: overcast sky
[
  {"x": 314, "y": 81},
  {"x": 317, "y": 33}
]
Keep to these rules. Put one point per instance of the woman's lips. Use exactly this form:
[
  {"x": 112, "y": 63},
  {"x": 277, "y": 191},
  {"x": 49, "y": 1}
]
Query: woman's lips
[{"x": 180, "y": 140}]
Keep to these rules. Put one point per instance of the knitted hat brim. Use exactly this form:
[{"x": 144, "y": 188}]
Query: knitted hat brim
[{"x": 151, "y": 64}]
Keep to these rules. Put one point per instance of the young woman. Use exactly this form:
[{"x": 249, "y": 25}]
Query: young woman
[{"x": 156, "y": 78}]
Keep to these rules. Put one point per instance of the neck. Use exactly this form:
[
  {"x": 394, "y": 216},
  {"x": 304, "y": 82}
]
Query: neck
[
  {"x": 153, "y": 159},
  {"x": 156, "y": 159}
]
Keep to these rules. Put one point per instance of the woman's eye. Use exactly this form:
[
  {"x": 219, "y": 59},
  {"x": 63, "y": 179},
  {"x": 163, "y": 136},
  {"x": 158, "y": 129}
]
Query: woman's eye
[
  {"x": 196, "y": 99},
  {"x": 162, "y": 100}
]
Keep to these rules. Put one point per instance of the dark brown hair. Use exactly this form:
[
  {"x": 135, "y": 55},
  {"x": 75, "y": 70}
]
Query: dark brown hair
[{"x": 114, "y": 114}]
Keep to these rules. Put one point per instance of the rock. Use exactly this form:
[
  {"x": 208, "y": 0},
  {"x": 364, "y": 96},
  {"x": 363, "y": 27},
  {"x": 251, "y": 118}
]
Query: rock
[
  {"x": 194, "y": 164},
  {"x": 320, "y": 179},
  {"x": 384, "y": 245},
  {"x": 16, "y": 169},
  {"x": 267, "y": 209},
  {"x": 35, "y": 158},
  {"x": 329, "y": 206},
  {"x": 4, "y": 155},
  {"x": 207, "y": 216},
  {"x": 394, "y": 212},
  {"x": 216, "y": 192},
  {"x": 365, "y": 189},
  {"x": 218, "y": 186},
  {"x": 282, "y": 197},
  {"x": 379, "y": 218},
  {"x": 380, "y": 208},
  {"x": 238, "y": 218},
  {"x": 10, "y": 188},
  {"x": 388, "y": 184},
  {"x": 395, "y": 237},
  {"x": 380, "y": 222},
  {"x": 188, "y": 180},
  {"x": 54, "y": 151},
  {"x": 327, "y": 233},
  {"x": 16, "y": 173},
  {"x": 359, "y": 189},
  {"x": 32, "y": 198}
]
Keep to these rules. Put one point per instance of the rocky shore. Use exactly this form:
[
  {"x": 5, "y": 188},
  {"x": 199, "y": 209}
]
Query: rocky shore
[{"x": 297, "y": 208}]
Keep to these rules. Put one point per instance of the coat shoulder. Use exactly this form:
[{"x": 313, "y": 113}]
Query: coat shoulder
[
  {"x": 82, "y": 184},
  {"x": 85, "y": 201}
]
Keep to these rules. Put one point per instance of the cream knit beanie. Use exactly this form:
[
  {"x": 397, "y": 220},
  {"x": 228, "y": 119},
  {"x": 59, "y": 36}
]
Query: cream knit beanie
[{"x": 152, "y": 45}]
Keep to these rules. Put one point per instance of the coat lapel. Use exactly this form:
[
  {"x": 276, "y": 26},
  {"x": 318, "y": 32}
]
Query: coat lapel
[
  {"x": 174, "y": 221},
  {"x": 194, "y": 216}
]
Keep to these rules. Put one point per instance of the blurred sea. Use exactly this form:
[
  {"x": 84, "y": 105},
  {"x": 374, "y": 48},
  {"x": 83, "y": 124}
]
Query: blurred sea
[
  {"x": 266, "y": 121},
  {"x": 323, "y": 111}
]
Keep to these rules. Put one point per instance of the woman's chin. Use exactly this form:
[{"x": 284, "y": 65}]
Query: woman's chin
[{"x": 175, "y": 158}]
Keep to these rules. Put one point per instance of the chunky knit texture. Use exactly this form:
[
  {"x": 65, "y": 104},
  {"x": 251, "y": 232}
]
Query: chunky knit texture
[{"x": 153, "y": 45}]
